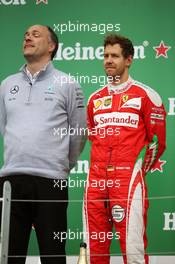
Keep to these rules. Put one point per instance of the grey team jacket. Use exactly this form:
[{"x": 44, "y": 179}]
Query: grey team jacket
[{"x": 39, "y": 123}]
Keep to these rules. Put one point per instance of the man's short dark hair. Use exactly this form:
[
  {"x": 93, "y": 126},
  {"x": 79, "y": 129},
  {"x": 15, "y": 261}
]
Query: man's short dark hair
[
  {"x": 54, "y": 39},
  {"x": 125, "y": 44}
]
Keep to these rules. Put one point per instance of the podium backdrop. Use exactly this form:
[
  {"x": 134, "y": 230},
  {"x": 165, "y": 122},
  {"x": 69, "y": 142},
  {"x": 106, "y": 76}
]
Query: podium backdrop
[{"x": 81, "y": 27}]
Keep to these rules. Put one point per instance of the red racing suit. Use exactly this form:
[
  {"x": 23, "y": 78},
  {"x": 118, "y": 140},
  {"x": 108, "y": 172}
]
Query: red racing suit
[{"x": 127, "y": 129}]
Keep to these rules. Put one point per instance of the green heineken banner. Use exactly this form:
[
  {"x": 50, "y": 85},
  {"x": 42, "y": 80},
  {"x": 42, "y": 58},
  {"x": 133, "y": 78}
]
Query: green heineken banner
[{"x": 81, "y": 27}]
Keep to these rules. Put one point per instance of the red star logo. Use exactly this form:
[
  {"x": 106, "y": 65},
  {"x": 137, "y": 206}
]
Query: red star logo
[
  {"x": 161, "y": 50},
  {"x": 41, "y": 1},
  {"x": 158, "y": 166}
]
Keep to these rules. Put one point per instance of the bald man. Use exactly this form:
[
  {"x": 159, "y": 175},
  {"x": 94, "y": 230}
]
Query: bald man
[{"x": 36, "y": 104}]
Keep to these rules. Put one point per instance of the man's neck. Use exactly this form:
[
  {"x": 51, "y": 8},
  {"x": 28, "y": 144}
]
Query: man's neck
[
  {"x": 34, "y": 67},
  {"x": 118, "y": 80}
]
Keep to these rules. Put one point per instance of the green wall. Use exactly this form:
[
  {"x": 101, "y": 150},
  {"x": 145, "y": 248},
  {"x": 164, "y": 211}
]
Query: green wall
[{"x": 146, "y": 23}]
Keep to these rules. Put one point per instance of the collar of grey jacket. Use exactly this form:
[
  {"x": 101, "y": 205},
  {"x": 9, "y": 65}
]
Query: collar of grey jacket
[{"x": 44, "y": 72}]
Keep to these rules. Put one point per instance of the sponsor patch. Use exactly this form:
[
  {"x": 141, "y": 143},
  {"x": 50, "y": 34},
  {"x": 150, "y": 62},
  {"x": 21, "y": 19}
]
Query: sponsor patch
[
  {"x": 14, "y": 89},
  {"x": 134, "y": 103},
  {"x": 157, "y": 116},
  {"x": 157, "y": 109},
  {"x": 118, "y": 213},
  {"x": 97, "y": 104},
  {"x": 103, "y": 103},
  {"x": 107, "y": 102},
  {"x": 125, "y": 98},
  {"x": 130, "y": 101},
  {"x": 116, "y": 119},
  {"x": 49, "y": 90}
]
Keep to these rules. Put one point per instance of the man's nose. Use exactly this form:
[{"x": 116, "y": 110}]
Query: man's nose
[
  {"x": 28, "y": 37},
  {"x": 109, "y": 59}
]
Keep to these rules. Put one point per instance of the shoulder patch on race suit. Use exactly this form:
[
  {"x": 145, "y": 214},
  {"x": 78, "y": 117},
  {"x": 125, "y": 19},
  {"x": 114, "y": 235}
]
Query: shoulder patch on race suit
[
  {"x": 118, "y": 213},
  {"x": 103, "y": 103},
  {"x": 116, "y": 119},
  {"x": 152, "y": 94},
  {"x": 157, "y": 116},
  {"x": 130, "y": 101},
  {"x": 133, "y": 103}
]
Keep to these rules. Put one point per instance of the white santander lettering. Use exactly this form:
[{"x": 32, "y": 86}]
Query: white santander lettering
[{"x": 117, "y": 119}]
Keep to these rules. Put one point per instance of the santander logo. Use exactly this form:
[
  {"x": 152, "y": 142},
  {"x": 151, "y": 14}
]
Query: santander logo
[{"x": 117, "y": 119}]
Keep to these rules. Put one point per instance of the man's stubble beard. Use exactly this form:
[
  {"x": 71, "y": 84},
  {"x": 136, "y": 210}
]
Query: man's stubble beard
[
  {"x": 32, "y": 58},
  {"x": 115, "y": 78}
]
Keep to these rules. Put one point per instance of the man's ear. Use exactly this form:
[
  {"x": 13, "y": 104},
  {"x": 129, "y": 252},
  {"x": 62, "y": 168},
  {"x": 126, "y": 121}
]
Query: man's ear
[
  {"x": 129, "y": 60},
  {"x": 51, "y": 46}
]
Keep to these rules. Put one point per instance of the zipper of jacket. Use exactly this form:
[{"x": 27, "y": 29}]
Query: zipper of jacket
[
  {"x": 29, "y": 94},
  {"x": 30, "y": 91}
]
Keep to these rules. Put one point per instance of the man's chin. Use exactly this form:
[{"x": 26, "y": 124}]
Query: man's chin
[
  {"x": 111, "y": 73},
  {"x": 28, "y": 56}
]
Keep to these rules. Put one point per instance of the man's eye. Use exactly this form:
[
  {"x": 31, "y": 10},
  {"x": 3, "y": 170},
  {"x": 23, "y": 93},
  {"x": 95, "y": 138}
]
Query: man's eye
[{"x": 36, "y": 34}]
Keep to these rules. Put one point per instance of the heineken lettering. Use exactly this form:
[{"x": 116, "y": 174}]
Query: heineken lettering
[{"x": 90, "y": 53}]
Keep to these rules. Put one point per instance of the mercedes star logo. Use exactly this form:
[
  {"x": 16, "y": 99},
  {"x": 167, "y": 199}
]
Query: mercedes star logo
[{"x": 14, "y": 89}]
